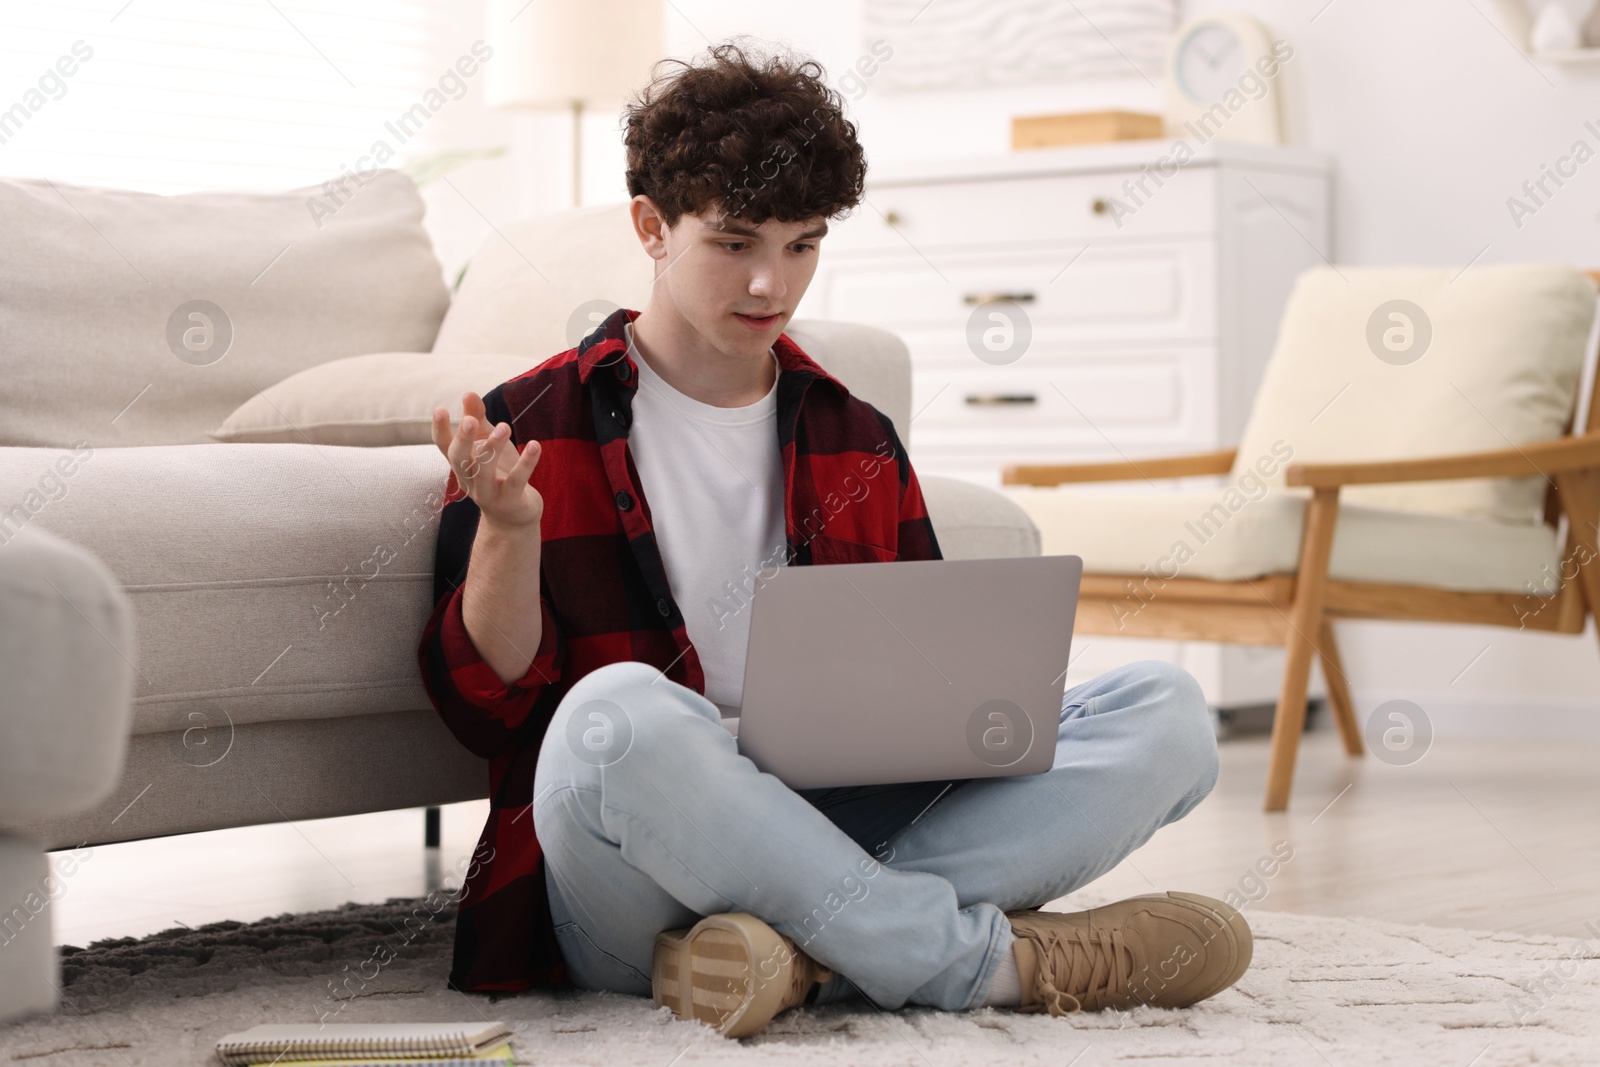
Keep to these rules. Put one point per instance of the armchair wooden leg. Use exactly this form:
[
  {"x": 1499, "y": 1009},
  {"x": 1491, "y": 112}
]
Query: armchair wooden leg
[
  {"x": 1305, "y": 620},
  {"x": 1580, "y": 495},
  {"x": 1339, "y": 702},
  {"x": 1290, "y": 721}
]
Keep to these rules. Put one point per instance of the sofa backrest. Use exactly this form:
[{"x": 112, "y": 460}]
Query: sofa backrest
[
  {"x": 1376, "y": 363},
  {"x": 128, "y": 318},
  {"x": 538, "y": 286}
]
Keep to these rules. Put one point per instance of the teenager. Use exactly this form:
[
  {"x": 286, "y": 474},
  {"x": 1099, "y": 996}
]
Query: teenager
[{"x": 608, "y": 513}]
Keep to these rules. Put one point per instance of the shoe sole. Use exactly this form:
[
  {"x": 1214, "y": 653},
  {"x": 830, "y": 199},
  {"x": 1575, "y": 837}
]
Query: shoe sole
[{"x": 709, "y": 973}]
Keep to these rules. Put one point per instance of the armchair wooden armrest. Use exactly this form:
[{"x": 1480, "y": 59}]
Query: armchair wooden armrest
[
  {"x": 1539, "y": 458},
  {"x": 1119, "y": 471}
]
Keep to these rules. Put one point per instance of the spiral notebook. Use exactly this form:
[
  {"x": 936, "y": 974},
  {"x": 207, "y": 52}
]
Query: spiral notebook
[{"x": 295, "y": 1042}]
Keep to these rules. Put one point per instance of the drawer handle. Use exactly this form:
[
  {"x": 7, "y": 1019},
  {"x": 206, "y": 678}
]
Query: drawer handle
[
  {"x": 996, "y": 399},
  {"x": 1099, "y": 205},
  {"x": 984, "y": 298}
]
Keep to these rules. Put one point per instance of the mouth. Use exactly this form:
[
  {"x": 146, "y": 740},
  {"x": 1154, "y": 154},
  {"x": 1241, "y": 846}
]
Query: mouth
[{"x": 756, "y": 322}]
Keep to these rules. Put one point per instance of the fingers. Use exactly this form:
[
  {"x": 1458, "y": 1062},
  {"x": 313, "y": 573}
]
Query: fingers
[
  {"x": 486, "y": 456},
  {"x": 522, "y": 469},
  {"x": 462, "y": 452},
  {"x": 472, "y": 404},
  {"x": 454, "y": 444},
  {"x": 474, "y": 418},
  {"x": 441, "y": 430},
  {"x": 476, "y": 445},
  {"x": 478, "y": 453}
]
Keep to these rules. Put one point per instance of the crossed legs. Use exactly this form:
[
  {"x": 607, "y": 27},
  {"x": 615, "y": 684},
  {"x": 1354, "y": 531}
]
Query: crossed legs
[{"x": 661, "y": 821}]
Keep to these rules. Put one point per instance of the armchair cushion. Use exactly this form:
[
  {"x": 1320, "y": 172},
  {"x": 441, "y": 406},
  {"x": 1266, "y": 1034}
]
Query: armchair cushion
[
  {"x": 1224, "y": 535},
  {"x": 1484, "y": 359}
]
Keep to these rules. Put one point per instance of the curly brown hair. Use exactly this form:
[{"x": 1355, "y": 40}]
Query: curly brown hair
[{"x": 755, "y": 140}]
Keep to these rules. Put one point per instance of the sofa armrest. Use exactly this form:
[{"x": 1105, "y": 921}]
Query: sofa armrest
[{"x": 973, "y": 521}]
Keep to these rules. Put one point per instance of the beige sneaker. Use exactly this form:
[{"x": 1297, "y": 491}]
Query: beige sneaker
[
  {"x": 1167, "y": 950},
  {"x": 732, "y": 971}
]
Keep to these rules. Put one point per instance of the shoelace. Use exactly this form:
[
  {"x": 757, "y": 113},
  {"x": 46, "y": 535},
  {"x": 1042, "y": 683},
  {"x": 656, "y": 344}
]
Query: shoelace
[{"x": 1078, "y": 965}]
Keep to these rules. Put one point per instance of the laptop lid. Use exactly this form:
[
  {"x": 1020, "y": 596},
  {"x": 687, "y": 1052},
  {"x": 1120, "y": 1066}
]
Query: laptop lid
[{"x": 915, "y": 670}]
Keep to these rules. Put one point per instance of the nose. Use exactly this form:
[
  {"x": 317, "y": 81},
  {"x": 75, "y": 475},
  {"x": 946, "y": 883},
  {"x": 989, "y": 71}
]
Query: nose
[{"x": 767, "y": 282}]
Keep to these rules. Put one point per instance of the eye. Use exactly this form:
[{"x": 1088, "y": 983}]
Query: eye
[
  {"x": 807, "y": 247},
  {"x": 729, "y": 245}
]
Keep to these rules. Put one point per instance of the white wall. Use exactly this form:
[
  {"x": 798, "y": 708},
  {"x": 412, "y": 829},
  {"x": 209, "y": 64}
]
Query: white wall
[{"x": 1434, "y": 119}]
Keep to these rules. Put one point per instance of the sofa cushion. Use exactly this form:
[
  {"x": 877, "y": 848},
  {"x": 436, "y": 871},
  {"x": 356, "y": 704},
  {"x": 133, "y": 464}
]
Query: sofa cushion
[
  {"x": 268, "y": 581},
  {"x": 537, "y": 286},
  {"x": 1225, "y": 535},
  {"x": 292, "y": 581},
  {"x": 385, "y": 398},
  {"x": 873, "y": 363},
  {"x": 973, "y": 521},
  {"x": 1482, "y": 359},
  {"x": 135, "y": 319}
]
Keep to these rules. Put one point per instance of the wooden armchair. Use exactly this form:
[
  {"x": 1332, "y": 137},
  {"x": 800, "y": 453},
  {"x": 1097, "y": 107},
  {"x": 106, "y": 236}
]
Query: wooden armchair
[{"x": 1294, "y": 605}]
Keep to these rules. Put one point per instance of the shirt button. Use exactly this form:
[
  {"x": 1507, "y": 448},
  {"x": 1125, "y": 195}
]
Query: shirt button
[
  {"x": 622, "y": 371},
  {"x": 663, "y": 607},
  {"x": 624, "y": 501}
]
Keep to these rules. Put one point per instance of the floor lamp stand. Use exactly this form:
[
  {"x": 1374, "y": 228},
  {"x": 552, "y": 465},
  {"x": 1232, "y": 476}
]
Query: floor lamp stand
[{"x": 577, "y": 153}]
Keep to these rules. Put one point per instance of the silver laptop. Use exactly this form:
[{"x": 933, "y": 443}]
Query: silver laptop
[{"x": 916, "y": 670}]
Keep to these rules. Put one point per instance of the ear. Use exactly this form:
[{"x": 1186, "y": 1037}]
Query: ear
[{"x": 649, "y": 226}]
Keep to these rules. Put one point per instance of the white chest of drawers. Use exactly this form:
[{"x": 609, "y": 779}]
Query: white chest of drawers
[{"x": 1152, "y": 293}]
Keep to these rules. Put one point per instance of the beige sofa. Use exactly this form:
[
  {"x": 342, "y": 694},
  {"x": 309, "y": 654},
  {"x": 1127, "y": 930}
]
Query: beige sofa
[{"x": 279, "y": 585}]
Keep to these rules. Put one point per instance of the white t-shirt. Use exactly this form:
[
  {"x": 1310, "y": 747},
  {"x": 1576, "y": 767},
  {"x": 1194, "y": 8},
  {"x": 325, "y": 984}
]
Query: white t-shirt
[{"x": 714, "y": 479}]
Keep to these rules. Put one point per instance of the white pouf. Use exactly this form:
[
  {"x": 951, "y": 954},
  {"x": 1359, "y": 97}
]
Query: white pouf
[{"x": 66, "y": 661}]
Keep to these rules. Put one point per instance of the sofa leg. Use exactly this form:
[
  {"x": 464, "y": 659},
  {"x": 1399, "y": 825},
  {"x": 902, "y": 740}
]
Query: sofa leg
[{"x": 430, "y": 828}]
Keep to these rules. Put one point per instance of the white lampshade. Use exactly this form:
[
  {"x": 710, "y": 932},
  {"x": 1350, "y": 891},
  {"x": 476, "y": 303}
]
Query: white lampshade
[{"x": 554, "y": 53}]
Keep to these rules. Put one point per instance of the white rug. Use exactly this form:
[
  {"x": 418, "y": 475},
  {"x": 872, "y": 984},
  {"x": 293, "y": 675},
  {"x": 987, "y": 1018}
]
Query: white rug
[{"x": 1320, "y": 991}]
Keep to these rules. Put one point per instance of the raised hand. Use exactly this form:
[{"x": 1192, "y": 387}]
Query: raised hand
[{"x": 488, "y": 466}]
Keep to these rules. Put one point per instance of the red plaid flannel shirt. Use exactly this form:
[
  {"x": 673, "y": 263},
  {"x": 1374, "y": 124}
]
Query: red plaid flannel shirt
[{"x": 850, "y": 496}]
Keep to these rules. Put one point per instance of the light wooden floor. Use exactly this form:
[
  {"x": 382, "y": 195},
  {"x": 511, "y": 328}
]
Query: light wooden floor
[{"x": 1484, "y": 834}]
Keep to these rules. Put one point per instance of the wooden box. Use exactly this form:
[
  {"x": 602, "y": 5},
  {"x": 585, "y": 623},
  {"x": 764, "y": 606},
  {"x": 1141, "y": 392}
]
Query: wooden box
[{"x": 1083, "y": 127}]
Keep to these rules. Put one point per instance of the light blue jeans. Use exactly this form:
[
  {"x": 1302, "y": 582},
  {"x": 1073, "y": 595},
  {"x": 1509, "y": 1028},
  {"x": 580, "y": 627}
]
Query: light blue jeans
[{"x": 649, "y": 819}]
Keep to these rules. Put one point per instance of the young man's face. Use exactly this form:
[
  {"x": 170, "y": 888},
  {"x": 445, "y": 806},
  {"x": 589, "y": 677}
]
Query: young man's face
[{"x": 734, "y": 284}]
